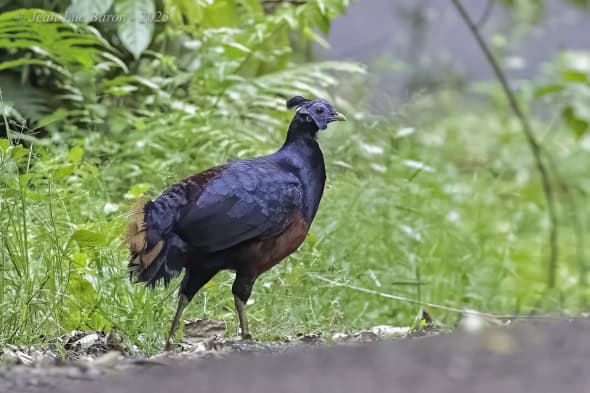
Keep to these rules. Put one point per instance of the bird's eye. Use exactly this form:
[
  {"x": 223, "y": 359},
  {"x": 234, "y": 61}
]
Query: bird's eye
[{"x": 319, "y": 111}]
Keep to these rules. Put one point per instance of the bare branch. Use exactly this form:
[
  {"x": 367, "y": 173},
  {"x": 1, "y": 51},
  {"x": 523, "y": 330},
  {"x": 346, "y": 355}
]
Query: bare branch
[
  {"x": 530, "y": 136},
  {"x": 487, "y": 12}
]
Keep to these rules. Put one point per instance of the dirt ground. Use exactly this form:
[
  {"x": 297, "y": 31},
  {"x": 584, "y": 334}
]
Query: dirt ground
[{"x": 540, "y": 356}]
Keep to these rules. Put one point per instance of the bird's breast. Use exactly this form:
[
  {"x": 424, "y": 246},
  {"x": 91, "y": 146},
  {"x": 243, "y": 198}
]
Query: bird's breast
[{"x": 266, "y": 253}]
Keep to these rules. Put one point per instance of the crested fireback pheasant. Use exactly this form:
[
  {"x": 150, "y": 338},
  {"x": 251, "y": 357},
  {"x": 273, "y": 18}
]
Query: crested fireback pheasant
[{"x": 245, "y": 215}]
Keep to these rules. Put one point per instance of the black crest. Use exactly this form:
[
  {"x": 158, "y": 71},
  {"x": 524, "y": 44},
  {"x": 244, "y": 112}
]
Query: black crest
[{"x": 296, "y": 102}]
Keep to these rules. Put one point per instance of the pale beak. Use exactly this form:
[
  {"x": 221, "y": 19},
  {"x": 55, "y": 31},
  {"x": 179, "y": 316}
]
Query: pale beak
[{"x": 338, "y": 117}]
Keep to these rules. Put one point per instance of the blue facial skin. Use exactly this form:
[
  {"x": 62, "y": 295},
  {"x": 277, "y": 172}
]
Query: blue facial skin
[{"x": 321, "y": 112}]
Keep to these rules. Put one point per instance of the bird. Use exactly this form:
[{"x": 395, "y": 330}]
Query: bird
[{"x": 245, "y": 216}]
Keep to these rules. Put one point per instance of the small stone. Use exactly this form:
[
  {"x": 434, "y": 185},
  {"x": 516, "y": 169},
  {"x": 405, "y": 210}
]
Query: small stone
[
  {"x": 310, "y": 338},
  {"x": 87, "y": 341},
  {"x": 114, "y": 342},
  {"x": 340, "y": 337},
  {"x": 23, "y": 358},
  {"x": 472, "y": 323},
  {"x": 365, "y": 336},
  {"x": 390, "y": 331},
  {"x": 37, "y": 356},
  {"x": 9, "y": 356}
]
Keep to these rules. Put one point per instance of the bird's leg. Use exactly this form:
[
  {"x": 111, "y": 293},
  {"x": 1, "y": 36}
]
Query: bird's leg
[
  {"x": 182, "y": 302},
  {"x": 241, "y": 310},
  {"x": 242, "y": 288},
  {"x": 193, "y": 280}
]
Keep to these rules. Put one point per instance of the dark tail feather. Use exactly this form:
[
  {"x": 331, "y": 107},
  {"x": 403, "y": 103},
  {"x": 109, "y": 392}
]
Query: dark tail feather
[
  {"x": 162, "y": 261},
  {"x": 167, "y": 264}
]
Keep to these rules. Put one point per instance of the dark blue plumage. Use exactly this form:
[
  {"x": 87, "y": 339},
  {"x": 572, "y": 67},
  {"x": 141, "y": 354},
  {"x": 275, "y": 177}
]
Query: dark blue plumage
[{"x": 245, "y": 215}]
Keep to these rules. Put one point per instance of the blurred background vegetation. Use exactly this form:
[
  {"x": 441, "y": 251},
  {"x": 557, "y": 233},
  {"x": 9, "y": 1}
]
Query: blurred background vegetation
[{"x": 433, "y": 193}]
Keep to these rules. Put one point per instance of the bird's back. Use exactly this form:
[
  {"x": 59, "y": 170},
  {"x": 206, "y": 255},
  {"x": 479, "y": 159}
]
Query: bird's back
[{"x": 250, "y": 199}]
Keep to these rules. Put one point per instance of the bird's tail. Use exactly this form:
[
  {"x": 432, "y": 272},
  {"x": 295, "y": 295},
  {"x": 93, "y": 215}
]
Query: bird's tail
[{"x": 152, "y": 257}]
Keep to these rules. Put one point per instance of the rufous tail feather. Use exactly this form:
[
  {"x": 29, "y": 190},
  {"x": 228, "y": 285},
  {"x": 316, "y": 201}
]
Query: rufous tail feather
[{"x": 135, "y": 238}]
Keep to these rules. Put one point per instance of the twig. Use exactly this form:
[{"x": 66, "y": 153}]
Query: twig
[
  {"x": 573, "y": 212},
  {"x": 532, "y": 142},
  {"x": 577, "y": 224},
  {"x": 464, "y": 311},
  {"x": 487, "y": 12}
]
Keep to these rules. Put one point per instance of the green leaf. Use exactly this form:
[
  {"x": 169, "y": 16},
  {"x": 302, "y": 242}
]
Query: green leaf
[
  {"x": 221, "y": 14},
  {"x": 80, "y": 260},
  {"x": 82, "y": 290},
  {"x": 19, "y": 151},
  {"x": 575, "y": 76},
  {"x": 56, "y": 116},
  {"x": 27, "y": 61},
  {"x": 137, "y": 190},
  {"x": 75, "y": 154},
  {"x": 136, "y": 31},
  {"x": 239, "y": 46},
  {"x": 321, "y": 19},
  {"x": 49, "y": 36},
  {"x": 35, "y": 196},
  {"x": 25, "y": 179},
  {"x": 577, "y": 125},
  {"x": 548, "y": 89},
  {"x": 63, "y": 171},
  {"x": 310, "y": 34},
  {"x": 4, "y": 144},
  {"x": 86, "y": 238},
  {"x": 89, "y": 10}
]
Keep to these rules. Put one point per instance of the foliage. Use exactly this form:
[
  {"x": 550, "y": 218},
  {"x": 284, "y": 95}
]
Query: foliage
[
  {"x": 434, "y": 202},
  {"x": 195, "y": 58},
  {"x": 215, "y": 82},
  {"x": 567, "y": 85}
]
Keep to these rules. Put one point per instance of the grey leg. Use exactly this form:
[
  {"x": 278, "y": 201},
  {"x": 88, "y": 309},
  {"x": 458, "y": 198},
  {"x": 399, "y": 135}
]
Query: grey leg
[
  {"x": 182, "y": 303},
  {"x": 194, "y": 279},
  {"x": 242, "y": 288},
  {"x": 241, "y": 310}
]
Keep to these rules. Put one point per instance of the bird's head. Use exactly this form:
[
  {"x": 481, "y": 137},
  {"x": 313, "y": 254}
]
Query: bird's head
[{"x": 318, "y": 111}]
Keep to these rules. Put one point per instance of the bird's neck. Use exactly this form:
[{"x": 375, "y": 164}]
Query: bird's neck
[
  {"x": 301, "y": 131},
  {"x": 301, "y": 154},
  {"x": 302, "y": 143}
]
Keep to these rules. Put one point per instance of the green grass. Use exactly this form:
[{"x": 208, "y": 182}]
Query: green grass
[{"x": 451, "y": 213}]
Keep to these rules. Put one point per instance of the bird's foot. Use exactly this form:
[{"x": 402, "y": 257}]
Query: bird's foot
[
  {"x": 247, "y": 337},
  {"x": 168, "y": 346}
]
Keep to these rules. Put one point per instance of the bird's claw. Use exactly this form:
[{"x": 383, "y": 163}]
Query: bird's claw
[{"x": 247, "y": 337}]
